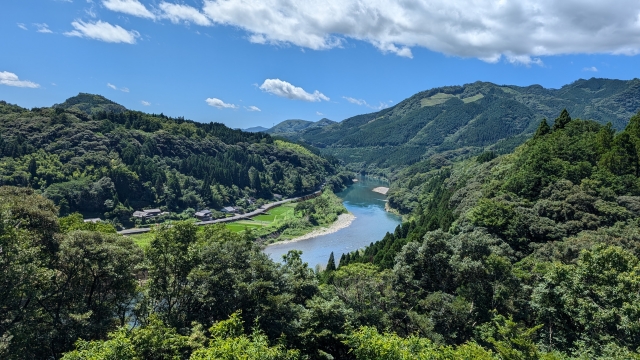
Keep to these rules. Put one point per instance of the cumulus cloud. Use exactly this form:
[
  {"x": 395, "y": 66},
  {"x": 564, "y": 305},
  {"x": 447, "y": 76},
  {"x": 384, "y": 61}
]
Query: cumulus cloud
[
  {"x": 112, "y": 86},
  {"x": 129, "y": 7},
  {"x": 518, "y": 31},
  {"x": 11, "y": 79},
  {"x": 21, "y": 26},
  {"x": 215, "y": 102},
  {"x": 43, "y": 28},
  {"x": 592, "y": 68},
  {"x": 178, "y": 13},
  {"x": 252, "y": 108},
  {"x": 103, "y": 31},
  {"x": 284, "y": 89},
  {"x": 145, "y": 103},
  {"x": 319, "y": 113}
]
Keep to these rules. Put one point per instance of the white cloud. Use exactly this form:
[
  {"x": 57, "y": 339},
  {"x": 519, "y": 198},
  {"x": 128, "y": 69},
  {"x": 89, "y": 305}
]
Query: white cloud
[
  {"x": 112, "y": 86},
  {"x": 21, "y": 26},
  {"x": 592, "y": 68},
  {"x": 90, "y": 12},
  {"x": 43, "y": 28},
  {"x": 319, "y": 113},
  {"x": 289, "y": 91},
  {"x": 11, "y": 79},
  {"x": 103, "y": 31},
  {"x": 177, "y": 13},
  {"x": 364, "y": 103},
  {"x": 516, "y": 31},
  {"x": 124, "y": 90},
  {"x": 252, "y": 108},
  {"x": 220, "y": 104},
  {"x": 129, "y": 7},
  {"x": 355, "y": 101},
  {"x": 145, "y": 103}
]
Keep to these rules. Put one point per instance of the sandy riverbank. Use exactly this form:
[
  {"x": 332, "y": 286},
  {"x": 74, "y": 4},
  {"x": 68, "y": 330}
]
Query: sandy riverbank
[
  {"x": 344, "y": 220},
  {"x": 381, "y": 190}
]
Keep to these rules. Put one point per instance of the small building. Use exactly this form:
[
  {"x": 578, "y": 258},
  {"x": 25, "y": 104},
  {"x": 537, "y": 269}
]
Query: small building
[
  {"x": 203, "y": 215},
  {"x": 93, "y": 220},
  {"x": 153, "y": 212},
  {"x": 147, "y": 214},
  {"x": 229, "y": 209},
  {"x": 140, "y": 214}
]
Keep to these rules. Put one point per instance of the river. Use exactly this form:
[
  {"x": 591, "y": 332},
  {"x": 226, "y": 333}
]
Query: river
[{"x": 372, "y": 222}]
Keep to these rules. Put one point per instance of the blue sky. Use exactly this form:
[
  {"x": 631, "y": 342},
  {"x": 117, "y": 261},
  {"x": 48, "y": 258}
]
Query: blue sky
[{"x": 248, "y": 63}]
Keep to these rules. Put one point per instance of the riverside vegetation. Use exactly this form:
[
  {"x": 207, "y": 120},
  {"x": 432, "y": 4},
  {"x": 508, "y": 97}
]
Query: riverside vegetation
[{"x": 532, "y": 254}]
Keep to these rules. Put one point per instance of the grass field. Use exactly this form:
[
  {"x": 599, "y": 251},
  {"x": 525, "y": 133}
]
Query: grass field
[
  {"x": 142, "y": 240},
  {"x": 257, "y": 222},
  {"x": 280, "y": 212}
]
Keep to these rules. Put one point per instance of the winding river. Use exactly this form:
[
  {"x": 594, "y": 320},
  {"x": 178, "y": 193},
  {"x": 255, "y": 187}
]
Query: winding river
[{"x": 372, "y": 222}]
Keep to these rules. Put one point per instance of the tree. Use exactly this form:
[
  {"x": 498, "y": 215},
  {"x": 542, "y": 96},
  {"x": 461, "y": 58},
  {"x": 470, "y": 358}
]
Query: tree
[
  {"x": 562, "y": 120},
  {"x": 543, "y": 129},
  {"x": 331, "y": 264}
]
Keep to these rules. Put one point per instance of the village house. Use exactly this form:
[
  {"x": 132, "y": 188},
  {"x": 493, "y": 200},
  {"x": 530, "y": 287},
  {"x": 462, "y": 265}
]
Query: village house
[
  {"x": 229, "y": 209},
  {"x": 203, "y": 215},
  {"x": 147, "y": 214},
  {"x": 93, "y": 220}
]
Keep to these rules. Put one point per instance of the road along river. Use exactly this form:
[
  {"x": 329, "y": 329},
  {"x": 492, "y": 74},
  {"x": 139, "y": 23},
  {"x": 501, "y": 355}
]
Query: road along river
[{"x": 371, "y": 223}]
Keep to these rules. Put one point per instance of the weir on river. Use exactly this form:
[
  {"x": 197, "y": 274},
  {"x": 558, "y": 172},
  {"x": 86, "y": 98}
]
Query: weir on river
[{"x": 372, "y": 222}]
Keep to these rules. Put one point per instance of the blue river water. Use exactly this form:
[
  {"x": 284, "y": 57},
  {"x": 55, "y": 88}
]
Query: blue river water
[{"x": 372, "y": 222}]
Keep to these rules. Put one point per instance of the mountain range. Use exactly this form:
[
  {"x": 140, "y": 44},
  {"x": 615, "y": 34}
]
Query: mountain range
[{"x": 452, "y": 121}]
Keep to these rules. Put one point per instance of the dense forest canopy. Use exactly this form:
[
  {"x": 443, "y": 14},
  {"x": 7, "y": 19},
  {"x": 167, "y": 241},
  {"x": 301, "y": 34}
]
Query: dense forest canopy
[
  {"x": 534, "y": 254},
  {"x": 93, "y": 156}
]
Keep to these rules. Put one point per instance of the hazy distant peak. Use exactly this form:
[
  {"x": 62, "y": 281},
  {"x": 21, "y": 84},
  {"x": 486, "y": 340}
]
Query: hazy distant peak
[{"x": 297, "y": 125}]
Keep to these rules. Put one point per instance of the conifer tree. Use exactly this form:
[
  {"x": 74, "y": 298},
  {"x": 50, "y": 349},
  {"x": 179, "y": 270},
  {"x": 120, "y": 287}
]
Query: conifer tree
[
  {"x": 331, "y": 265},
  {"x": 562, "y": 120},
  {"x": 543, "y": 129}
]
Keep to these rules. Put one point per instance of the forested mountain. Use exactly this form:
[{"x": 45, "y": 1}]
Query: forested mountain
[
  {"x": 92, "y": 155},
  {"x": 292, "y": 127},
  {"x": 529, "y": 255},
  {"x": 547, "y": 237},
  {"x": 457, "y": 120}
]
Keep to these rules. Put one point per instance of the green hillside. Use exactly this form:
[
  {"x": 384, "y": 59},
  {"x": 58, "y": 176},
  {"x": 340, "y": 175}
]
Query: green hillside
[
  {"x": 92, "y": 155},
  {"x": 457, "y": 120}
]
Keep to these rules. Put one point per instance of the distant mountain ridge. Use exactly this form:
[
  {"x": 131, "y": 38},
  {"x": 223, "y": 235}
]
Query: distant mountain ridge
[
  {"x": 294, "y": 126},
  {"x": 455, "y": 120},
  {"x": 256, "y": 129}
]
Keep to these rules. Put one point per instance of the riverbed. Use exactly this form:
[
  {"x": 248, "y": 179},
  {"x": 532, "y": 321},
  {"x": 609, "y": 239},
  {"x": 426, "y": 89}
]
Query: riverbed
[{"x": 371, "y": 223}]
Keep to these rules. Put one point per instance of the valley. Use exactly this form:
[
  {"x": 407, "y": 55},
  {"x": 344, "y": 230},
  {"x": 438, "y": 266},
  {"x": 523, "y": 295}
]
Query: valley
[{"x": 499, "y": 234}]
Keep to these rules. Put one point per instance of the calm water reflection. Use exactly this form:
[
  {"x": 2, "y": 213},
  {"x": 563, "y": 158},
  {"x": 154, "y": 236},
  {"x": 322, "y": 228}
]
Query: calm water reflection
[{"x": 370, "y": 225}]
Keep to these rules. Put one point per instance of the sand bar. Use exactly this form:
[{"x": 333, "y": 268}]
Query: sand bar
[
  {"x": 381, "y": 190},
  {"x": 344, "y": 220}
]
